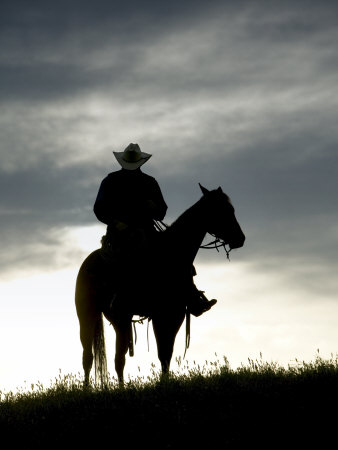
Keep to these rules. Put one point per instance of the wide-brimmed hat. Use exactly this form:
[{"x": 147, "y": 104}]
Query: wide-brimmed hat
[{"x": 131, "y": 158}]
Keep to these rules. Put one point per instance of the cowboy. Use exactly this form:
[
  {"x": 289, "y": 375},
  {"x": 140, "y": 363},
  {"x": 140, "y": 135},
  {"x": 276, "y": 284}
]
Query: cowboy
[
  {"x": 129, "y": 199},
  {"x": 128, "y": 202}
]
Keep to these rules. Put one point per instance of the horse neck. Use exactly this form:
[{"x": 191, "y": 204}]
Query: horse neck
[{"x": 188, "y": 231}]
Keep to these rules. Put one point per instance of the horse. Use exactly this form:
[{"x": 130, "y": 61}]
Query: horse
[{"x": 156, "y": 284}]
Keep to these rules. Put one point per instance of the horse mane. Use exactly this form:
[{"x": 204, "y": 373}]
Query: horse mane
[{"x": 188, "y": 217}]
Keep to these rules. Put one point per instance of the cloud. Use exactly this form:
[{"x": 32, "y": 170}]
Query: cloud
[
  {"x": 182, "y": 48},
  {"x": 235, "y": 96}
]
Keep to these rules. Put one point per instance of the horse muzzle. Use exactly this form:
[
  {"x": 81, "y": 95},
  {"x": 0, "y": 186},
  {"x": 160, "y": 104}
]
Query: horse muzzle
[{"x": 238, "y": 242}]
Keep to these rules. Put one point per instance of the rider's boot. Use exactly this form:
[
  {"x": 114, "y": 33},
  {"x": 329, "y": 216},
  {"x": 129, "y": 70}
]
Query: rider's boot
[{"x": 199, "y": 303}]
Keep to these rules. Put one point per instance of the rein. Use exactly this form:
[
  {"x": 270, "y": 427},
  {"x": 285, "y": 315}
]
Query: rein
[
  {"x": 215, "y": 244},
  {"x": 131, "y": 342}
]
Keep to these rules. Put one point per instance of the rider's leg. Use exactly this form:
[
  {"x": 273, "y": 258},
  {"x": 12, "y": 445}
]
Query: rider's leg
[{"x": 198, "y": 302}]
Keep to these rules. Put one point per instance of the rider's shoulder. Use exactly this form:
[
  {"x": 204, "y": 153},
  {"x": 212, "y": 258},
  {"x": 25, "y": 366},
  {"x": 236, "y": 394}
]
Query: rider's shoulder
[
  {"x": 114, "y": 175},
  {"x": 124, "y": 175}
]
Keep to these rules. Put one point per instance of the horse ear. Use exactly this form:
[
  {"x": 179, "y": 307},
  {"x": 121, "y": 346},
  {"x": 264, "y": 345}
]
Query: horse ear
[
  {"x": 219, "y": 189},
  {"x": 203, "y": 189}
]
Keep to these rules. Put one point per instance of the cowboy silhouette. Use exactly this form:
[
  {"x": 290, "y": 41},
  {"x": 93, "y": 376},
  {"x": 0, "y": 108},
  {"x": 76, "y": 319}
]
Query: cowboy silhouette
[{"x": 128, "y": 202}]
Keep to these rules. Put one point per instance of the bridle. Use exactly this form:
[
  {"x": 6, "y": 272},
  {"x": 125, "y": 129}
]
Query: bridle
[{"x": 216, "y": 243}]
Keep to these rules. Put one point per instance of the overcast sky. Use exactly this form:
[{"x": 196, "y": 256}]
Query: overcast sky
[{"x": 241, "y": 95}]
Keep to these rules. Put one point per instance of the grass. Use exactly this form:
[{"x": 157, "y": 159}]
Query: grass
[{"x": 260, "y": 404}]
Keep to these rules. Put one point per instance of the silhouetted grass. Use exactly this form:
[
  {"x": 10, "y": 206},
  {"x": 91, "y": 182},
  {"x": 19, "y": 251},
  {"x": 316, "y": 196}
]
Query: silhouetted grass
[{"x": 260, "y": 404}]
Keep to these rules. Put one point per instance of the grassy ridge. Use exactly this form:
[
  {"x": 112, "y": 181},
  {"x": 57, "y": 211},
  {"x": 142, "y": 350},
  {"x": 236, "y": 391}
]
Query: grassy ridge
[{"x": 261, "y": 403}]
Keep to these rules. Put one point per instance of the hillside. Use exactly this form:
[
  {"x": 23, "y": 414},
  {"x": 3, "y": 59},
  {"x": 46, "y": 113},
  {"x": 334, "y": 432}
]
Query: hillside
[{"x": 260, "y": 404}]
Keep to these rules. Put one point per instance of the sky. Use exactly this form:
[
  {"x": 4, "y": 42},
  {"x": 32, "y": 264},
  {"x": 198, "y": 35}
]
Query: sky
[{"x": 241, "y": 95}]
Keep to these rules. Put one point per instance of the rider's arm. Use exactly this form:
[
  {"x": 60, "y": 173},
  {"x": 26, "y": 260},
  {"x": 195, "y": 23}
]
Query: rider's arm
[
  {"x": 101, "y": 205},
  {"x": 156, "y": 204}
]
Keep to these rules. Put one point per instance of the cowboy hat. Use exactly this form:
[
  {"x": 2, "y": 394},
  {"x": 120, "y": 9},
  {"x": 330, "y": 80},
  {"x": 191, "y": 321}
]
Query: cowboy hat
[{"x": 131, "y": 158}]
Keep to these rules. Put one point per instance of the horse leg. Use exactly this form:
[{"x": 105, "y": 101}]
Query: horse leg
[
  {"x": 165, "y": 330},
  {"x": 87, "y": 331},
  {"x": 123, "y": 335},
  {"x": 88, "y": 315}
]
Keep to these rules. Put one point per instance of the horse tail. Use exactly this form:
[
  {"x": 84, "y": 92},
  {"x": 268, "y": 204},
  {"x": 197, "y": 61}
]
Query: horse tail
[{"x": 100, "y": 359}]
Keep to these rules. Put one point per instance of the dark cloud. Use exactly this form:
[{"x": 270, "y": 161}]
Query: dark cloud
[
  {"x": 36, "y": 209},
  {"x": 69, "y": 49}
]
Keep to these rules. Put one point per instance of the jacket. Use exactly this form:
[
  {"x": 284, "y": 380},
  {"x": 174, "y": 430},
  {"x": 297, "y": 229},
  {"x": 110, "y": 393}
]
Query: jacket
[{"x": 131, "y": 197}]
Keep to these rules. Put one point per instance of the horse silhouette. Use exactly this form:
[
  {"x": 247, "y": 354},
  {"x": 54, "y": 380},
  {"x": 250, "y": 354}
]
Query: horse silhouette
[{"x": 155, "y": 283}]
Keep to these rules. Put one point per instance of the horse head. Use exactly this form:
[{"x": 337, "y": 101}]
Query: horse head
[{"x": 220, "y": 218}]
